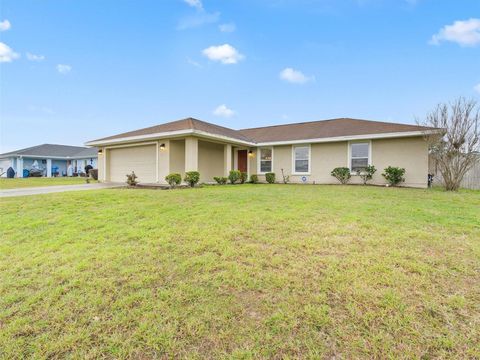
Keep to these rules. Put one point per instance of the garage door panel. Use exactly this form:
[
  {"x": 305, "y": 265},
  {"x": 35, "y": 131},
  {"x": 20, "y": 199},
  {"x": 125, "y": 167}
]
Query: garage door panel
[{"x": 140, "y": 159}]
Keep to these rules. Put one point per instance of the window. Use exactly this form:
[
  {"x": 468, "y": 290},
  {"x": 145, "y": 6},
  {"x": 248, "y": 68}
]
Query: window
[
  {"x": 266, "y": 157},
  {"x": 359, "y": 156},
  {"x": 301, "y": 159}
]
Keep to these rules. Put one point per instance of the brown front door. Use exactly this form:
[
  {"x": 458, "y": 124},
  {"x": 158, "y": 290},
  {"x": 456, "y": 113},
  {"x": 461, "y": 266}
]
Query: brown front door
[{"x": 242, "y": 160}]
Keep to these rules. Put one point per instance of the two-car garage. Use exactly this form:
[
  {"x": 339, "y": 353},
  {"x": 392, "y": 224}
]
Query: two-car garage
[{"x": 140, "y": 159}]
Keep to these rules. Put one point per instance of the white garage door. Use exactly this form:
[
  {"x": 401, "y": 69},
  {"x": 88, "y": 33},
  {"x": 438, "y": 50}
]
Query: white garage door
[{"x": 140, "y": 159}]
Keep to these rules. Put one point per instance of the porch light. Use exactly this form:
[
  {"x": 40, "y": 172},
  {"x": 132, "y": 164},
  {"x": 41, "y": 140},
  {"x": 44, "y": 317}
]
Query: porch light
[
  {"x": 162, "y": 147},
  {"x": 100, "y": 152},
  {"x": 250, "y": 153}
]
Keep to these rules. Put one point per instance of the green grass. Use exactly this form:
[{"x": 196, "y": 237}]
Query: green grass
[
  {"x": 16, "y": 183},
  {"x": 246, "y": 271}
]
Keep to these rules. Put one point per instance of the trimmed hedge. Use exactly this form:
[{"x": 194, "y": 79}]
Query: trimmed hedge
[
  {"x": 192, "y": 178},
  {"x": 270, "y": 177},
  {"x": 173, "y": 179}
]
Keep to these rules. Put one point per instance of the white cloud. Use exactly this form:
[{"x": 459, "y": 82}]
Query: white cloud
[
  {"x": 5, "y": 25},
  {"x": 230, "y": 27},
  {"x": 63, "y": 69},
  {"x": 225, "y": 53},
  {"x": 33, "y": 57},
  {"x": 7, "y": 54},
  {"x": 199, "y": 19},
  {"x": 223, "y": 111},
  {"x": 464, "y": 33},
  {"x": 477, "y": 88},
  {"x": 195, "y": 3},
  {"x": 294, "y": 76}
]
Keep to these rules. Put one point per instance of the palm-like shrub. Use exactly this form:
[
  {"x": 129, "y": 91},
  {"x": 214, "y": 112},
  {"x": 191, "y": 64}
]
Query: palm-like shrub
[
  {"x": 221, "y": 180},
  {"x": 367, "y": 173},
  {"x": 234, "y": 176}
]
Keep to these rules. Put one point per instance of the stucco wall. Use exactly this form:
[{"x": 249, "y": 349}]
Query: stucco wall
[
  {"x": 177, "y": 157},
  {"x": 100, "y": 163},
  {"x": 410, "y": 153},
  {"x": 210, "y": 160}
]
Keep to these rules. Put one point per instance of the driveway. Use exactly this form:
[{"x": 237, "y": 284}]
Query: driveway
[{"x": 55, "y": 189}]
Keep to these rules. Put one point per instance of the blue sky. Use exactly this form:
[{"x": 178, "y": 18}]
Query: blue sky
[{"x": 72, "y": 71}]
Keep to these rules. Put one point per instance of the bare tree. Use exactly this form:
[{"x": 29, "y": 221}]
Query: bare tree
[{"x": 454, "y": 149}]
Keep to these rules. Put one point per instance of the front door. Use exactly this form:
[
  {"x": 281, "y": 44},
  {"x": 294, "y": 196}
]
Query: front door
[{"x": 242, "y": 160}]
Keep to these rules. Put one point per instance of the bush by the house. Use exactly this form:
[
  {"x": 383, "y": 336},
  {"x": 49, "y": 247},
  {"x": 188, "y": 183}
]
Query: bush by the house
[
  {"x": 94, "y": 174},
  {"x": 173, "y": 179},
  {"x": 192, "y": 178},
  {"x": 286, "y": 178},
  {"x": 254, "y": 179},
  {"x": 342, "y": 174},
  {"x": 270, "y": 177},
  {"x": 394, "y": 175},
  {"x": 234, "y": 176},
  {"x": 243, "y": 177},
  {"x": 132, "y": 179},
  {"x": 221, "y": 180},
  {"x": 367, "y": 173}
]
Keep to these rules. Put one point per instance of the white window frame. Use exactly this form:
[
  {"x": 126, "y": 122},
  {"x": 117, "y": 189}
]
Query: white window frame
[
  {"x": 369, "y": 142},
  {"x": 309, "y": 159},
  {"x": 259, "y": 159}
]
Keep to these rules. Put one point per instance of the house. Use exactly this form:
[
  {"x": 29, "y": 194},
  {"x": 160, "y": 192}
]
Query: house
[
  {"x": 51, "y": 159},
  {"x": 307, "y": 152}
]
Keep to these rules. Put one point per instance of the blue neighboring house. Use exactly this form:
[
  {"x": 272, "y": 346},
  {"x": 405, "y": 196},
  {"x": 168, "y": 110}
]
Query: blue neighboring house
[{"x": 51, "y": 159}]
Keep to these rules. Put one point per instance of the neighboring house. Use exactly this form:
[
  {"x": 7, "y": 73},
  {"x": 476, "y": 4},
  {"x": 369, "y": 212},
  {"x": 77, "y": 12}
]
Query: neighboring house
[
  {"x": 307, "y": 152},
  {"x": 52, "y": 159}
]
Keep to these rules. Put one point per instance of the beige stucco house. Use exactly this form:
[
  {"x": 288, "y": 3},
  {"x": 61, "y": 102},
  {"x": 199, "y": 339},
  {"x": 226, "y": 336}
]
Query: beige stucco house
[{"x": 307, "y": 152}]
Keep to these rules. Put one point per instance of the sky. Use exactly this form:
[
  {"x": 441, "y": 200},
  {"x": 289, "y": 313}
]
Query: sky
[{"x": 73, "y": 71}]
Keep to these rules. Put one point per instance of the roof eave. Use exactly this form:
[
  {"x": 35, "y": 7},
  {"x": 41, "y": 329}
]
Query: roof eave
[
  {"x": 168, "y": 134},
  {"x": 398, "y": 134}
]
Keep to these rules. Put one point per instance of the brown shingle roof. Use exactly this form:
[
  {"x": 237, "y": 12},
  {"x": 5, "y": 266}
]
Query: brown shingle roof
[
  {"x": 184, "y": 124},
  {"x": 325, "y": 129},
  {"x": 288, "y": 132}
]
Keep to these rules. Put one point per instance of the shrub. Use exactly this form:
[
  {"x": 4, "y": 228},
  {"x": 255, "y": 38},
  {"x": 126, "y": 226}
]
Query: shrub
[
  {"x": 394, "y": 175},
  {"x": 234, "y": 176},
  {"x": 173, "y": 179},
  {"x": 342, "y": 174},
  {"x": 221, "y": 180},
  {"x": 270, "y": 177},
  {"x": 94, "y": 174},
  {"x": 254, "y": 179},
  {"x": 243, "y": 177},
  {"x": 286, "y": 178},
  {"x": 367, "y": 173},
  {"x": 192, "y": 178},
  {"x": 132, "y": 179}
]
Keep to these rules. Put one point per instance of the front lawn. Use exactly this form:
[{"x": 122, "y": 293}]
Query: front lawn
[
  {"x": 39, "y": 181},
  {"x": 245, "y": 271}
]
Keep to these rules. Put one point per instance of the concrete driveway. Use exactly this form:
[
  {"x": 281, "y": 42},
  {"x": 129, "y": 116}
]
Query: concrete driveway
[{"x": 55, "y": 189}]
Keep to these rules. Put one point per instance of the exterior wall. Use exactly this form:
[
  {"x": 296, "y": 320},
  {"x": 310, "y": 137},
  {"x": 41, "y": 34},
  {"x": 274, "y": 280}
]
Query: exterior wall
[
  {"x": 177, "y": 157},
  {"x": 210, "y": 160},
  {"x": 4, "y": 165},
  {"x": 101, "y": 165},
  {"x": 409, "y": 153}
]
